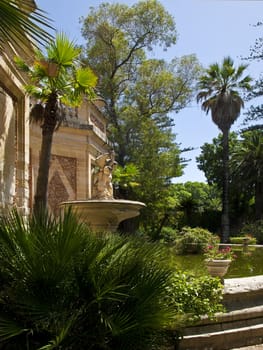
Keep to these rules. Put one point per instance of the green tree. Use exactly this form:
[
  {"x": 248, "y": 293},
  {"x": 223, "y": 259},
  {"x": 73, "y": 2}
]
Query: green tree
[
  {"x": 210, "y": 162},
  {"x": 247, "y": 163},
  {"x": 66, "y": 85},
  {"x": 255, "y": 111},
  {"x": 140, "y": 92},
  {"x": 219, "y": 90},
  {"x": 20, "y": 22},
  {"x": 197, "y": 205}
]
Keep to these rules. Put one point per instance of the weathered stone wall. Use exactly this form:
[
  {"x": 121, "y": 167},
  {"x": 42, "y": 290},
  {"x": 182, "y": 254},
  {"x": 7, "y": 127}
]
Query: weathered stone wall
[
  {"x": 75, "y": 146},
  {"x": 14, "y": 137}
]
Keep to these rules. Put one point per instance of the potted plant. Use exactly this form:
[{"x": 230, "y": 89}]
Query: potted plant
[
  {"x": 51, "y": 68},
  {"x": 218, "y": 260}
]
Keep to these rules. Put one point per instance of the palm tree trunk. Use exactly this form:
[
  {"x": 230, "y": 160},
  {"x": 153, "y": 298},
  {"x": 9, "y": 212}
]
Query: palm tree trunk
[
  {"x": 225, "y": 226},
  {"x": 258, "y": 200},
  {"x": 48, "y": 128}
]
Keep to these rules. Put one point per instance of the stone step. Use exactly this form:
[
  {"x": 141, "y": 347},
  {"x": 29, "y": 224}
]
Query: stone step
[
  {"x": 224, "y": 340},
  {"x": 234, "y": 319},
  {"x": 243, "y": 293},
  {"x": 241, "y": 325}
]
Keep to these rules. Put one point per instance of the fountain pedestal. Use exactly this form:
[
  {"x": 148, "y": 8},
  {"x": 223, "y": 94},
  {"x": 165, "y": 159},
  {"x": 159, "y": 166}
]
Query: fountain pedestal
[{"x": 104, "y": 215}]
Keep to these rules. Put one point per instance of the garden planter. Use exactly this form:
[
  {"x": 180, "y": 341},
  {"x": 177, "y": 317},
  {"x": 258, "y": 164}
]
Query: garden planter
[
  {"x": 218, "y": 268},
  {"x": 50, "y": 67}
]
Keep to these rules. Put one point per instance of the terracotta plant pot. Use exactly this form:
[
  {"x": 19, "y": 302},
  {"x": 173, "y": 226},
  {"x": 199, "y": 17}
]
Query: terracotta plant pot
[{"x": 51, "y": 68}]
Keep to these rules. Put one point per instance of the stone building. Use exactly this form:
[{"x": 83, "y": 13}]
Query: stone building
[
  {"x": 79, "y": 140},
  {"x": 14, "y": 134}
]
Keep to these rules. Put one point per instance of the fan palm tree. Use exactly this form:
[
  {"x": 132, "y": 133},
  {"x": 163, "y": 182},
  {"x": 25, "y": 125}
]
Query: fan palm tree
[
  {"x": 56, "y": 78},
  {"x": 63, "y": 287},
  {"x": 21, "y": 22},
  {"x": 219, "y": 90},
  {"x": 247, "y": 163}
]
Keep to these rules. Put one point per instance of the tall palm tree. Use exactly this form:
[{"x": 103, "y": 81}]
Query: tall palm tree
[
  {"x": 219, "y": 89},
  {"x": 21, "y": 22},
  {"x": 247, "y": 163},
  {"x": 56, "y": 78}
]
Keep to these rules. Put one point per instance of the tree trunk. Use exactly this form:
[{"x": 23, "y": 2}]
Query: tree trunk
[
  {"x": 258, "y": 200},
  {"x": 225, "y": 196},
  {"x": 48, "y": 127}
]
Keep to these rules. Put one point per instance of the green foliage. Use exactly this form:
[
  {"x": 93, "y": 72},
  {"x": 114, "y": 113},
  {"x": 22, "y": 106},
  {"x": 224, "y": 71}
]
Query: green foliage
[
  {"x": 255, "y": 112},
  {"x": 241, "y": 192},
  {"x": 197, "y": 204},
  {"x": 194, "y": 240},
  {"x": 255, "y": 229},
  {"x": 67, "y": 84},
  {"x": 70, "y": 81},
  {"x": 195, "y": 297},
  {"x": 168, "y": 235},
  {"x": 210, "y": 159},
  {"x": 64, "y": 287},
  {"x": 242, "y": 239},
  {"x": 140, "y": 93},
  {"x": 219, "y": 91},
  {"x": 22, "y": 24},
  {"x": 247, "y": 166},
  {"x": 125, "y": 178},
  {"x": 219, "y": 88}
]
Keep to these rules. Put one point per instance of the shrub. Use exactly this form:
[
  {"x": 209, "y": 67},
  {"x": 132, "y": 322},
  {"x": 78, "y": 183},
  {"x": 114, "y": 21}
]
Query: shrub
[
  {"x": 240, "y": 240},
  {"x": 194, "y": 240},
  {"x": 168, "y": 235},
  {"x": 195, "y": 297},
  {"x": 63, "y": 287},
  {"x": 254, "y": 229}
]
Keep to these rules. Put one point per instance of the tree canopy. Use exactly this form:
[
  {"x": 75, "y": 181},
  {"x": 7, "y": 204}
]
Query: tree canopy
[{"x": 140, "y": 92}]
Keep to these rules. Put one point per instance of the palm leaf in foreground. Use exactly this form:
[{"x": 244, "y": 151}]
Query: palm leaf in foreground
[
  {"x": 21, "y": 23},
  {"x": 63, "y": 286}
]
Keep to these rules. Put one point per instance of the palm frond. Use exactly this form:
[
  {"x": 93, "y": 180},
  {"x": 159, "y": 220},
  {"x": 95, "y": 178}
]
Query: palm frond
[
  {"x": 219, "y": 91},
  {"x": 21, "y": 22},
  {"x": 10, "y": 329},
  {"x": 62, "y": 51},
  {"x": 71, "y": 286}
]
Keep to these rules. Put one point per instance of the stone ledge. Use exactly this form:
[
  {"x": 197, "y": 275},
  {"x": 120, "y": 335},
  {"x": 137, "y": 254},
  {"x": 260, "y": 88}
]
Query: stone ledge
[{"x": 243, "y": 285}]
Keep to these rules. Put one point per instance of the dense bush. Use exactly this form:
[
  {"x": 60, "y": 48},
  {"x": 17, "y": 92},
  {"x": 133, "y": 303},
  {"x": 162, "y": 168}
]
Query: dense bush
[
  {"x": 168, "y": 235},
  {"x": 194, "y": 240},
  {"x": 254, "y": 229},
  {"x": 63, "y": 287},
  {"x": 240, "y": 240},
  {"x": 195, "y": 297}
]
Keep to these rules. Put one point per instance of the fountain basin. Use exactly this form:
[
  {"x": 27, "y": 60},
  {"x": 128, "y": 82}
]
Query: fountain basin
[{"x": 104, "y": 214}]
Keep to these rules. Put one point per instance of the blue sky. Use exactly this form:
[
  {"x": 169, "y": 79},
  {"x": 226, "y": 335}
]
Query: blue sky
[{"x": 212, "y": 29}]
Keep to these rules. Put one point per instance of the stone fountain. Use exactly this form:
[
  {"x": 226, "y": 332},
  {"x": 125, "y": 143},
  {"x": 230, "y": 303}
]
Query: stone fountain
[{"x": 102, "y": 212}]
